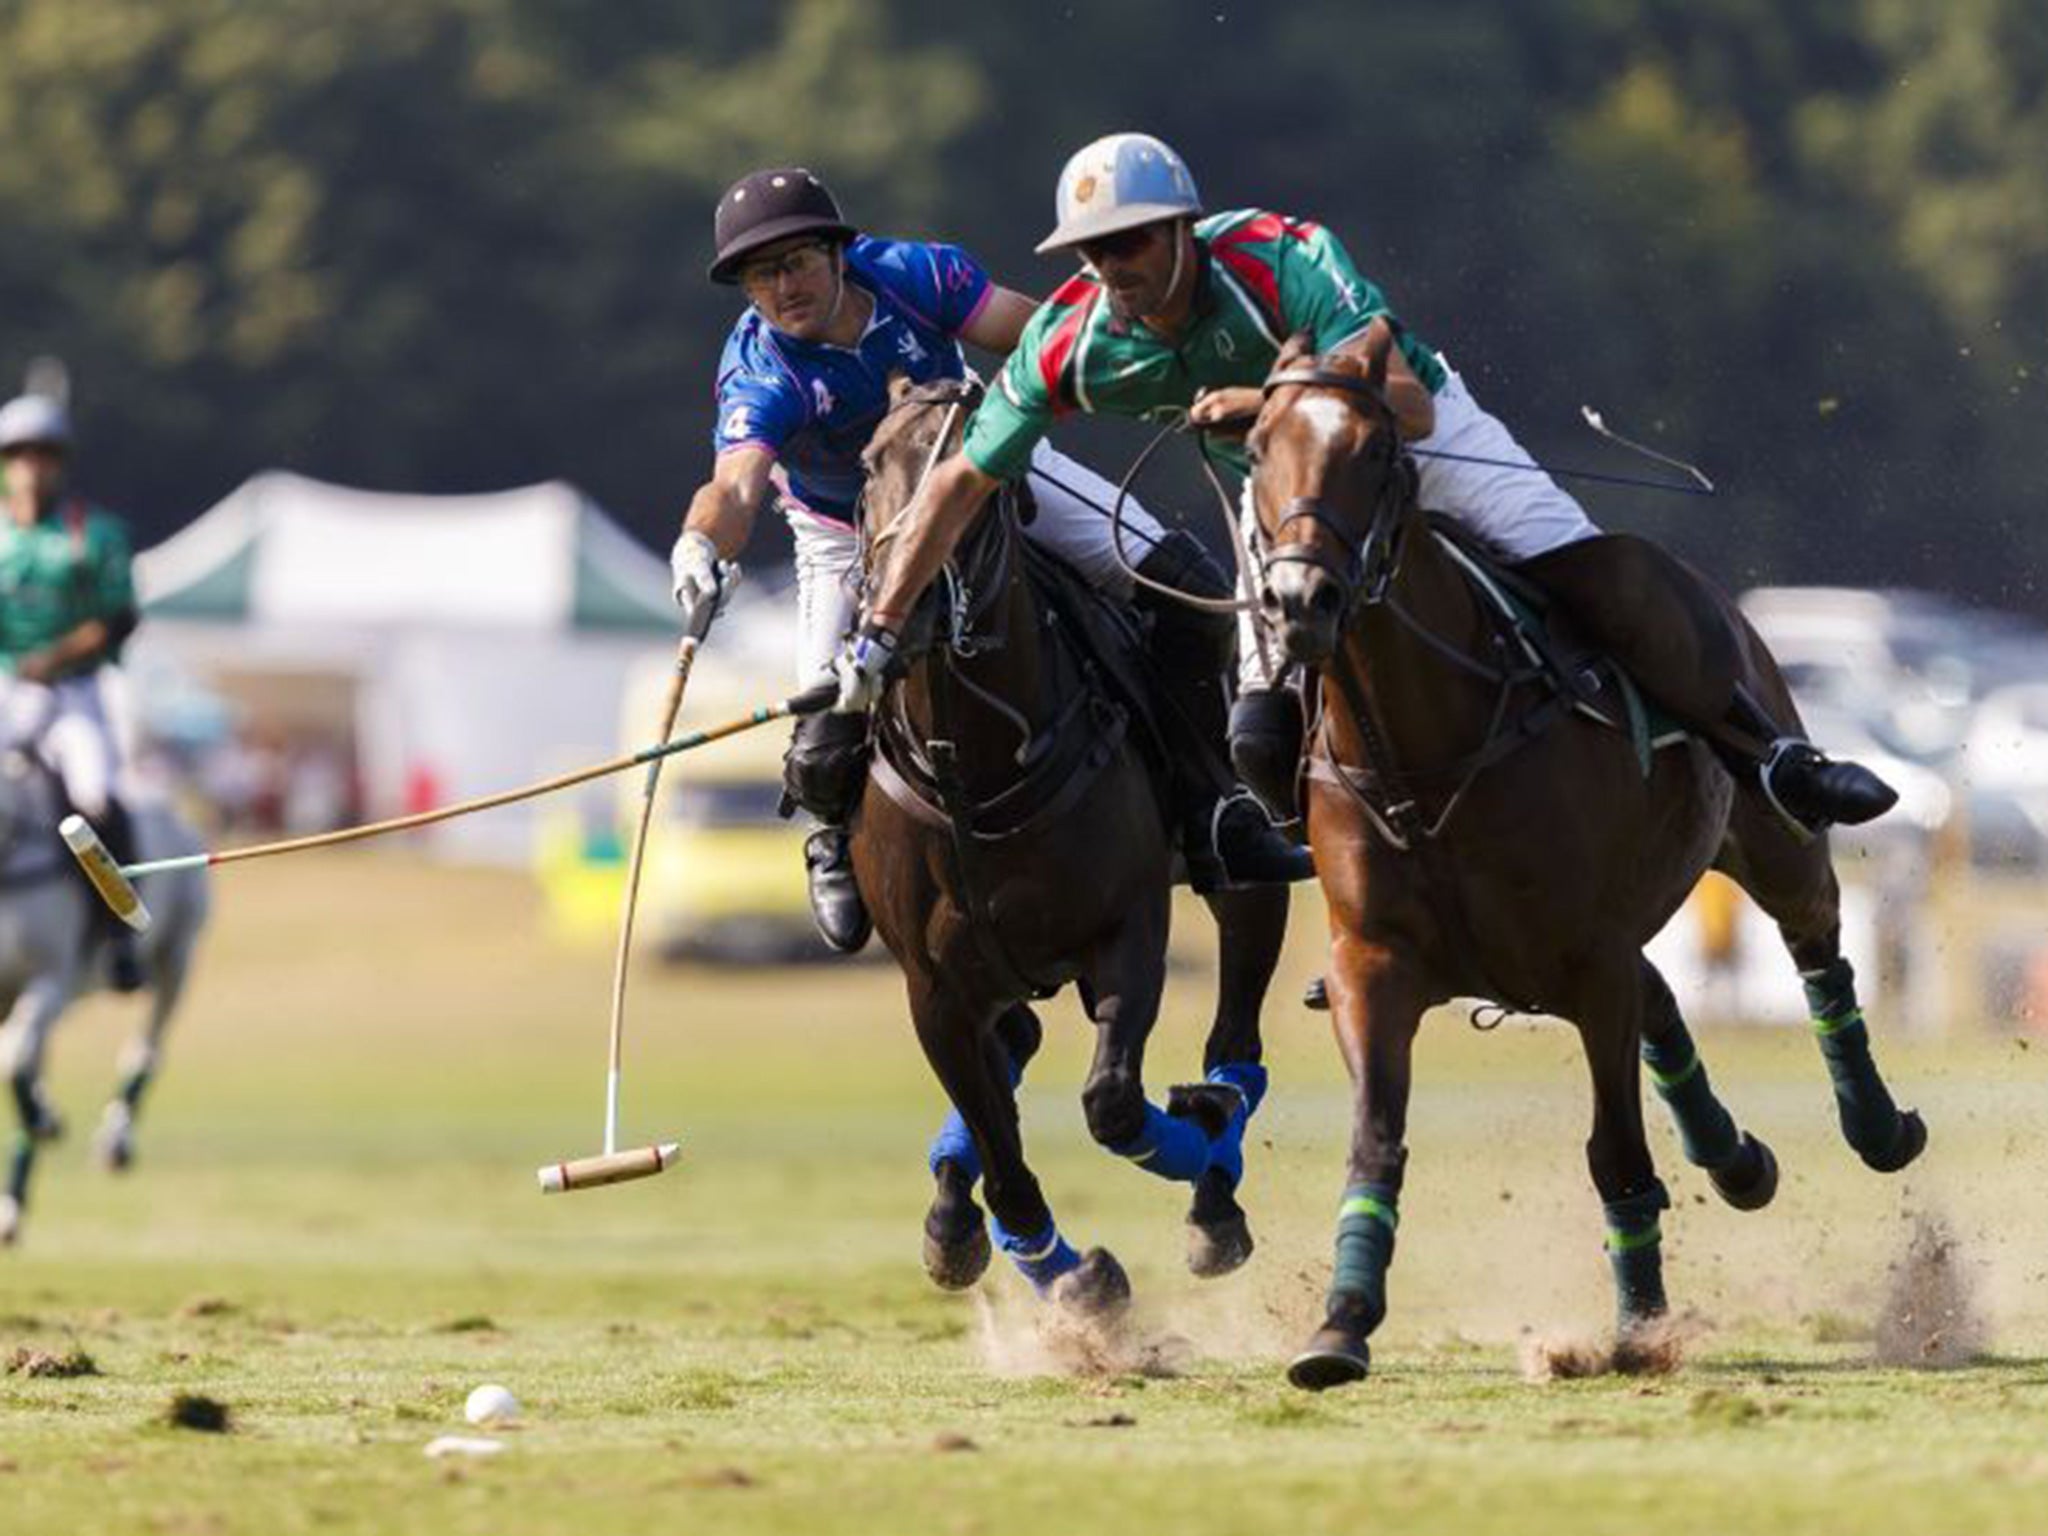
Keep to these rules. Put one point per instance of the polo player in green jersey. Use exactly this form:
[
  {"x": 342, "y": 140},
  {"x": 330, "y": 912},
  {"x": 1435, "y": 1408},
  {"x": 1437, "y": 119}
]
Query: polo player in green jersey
[
  {"x": 1180, "y": 316},
  {"x": 67, "y": 604}
]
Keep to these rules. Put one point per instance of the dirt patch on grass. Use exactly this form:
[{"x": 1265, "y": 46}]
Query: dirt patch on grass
[
  {"x": 195, "y": 1410},
  {"x": 37, "y": 1362}
]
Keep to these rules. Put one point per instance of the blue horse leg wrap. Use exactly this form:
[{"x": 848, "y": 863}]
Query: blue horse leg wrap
[
  {"x": 1365, "y": 1247},
  {"x": 954, "y": 1143},
  {"x": 1634, "y": 1249},
  {"x": 1870, "y": 1120},
  {"x": 1169, "y": 1147},
  {"x": 1705, "y": 1128},
  {"x": 1249, "y": 1079},
  {"x": 1041, "y": 1257}
]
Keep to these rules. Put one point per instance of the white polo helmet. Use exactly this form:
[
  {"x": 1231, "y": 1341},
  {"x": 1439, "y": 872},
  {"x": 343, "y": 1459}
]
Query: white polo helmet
[
  {"x": 1119, "y": 182},
  {"x": 31, "y": 419}
]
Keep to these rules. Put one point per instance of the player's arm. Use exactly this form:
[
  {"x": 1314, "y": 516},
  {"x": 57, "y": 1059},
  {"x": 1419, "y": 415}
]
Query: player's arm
[
  {"x": 725, "y": 506},
  {"x": 999, "y": 323},
  {"x": 933, "y": 526}
]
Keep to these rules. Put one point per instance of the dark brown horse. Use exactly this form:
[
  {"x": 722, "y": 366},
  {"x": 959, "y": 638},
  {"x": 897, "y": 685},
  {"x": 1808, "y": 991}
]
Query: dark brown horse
[
  {"x": 1478, "y": 835},
  {"x": 1010, "y": 841}
]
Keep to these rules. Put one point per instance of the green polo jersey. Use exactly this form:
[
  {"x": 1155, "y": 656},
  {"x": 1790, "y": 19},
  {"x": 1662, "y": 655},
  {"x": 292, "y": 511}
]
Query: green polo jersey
[
  {"x": 72, "y": 566},
  {"x": 1263, "y": 277}
]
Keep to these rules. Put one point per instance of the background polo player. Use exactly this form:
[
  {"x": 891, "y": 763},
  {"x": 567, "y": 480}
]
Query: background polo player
[
  {"x": 67, "y": 605},
  {"x": 803, "y": 381}
]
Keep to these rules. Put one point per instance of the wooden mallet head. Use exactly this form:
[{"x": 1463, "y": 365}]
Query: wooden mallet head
[
  {"x": 608, "y": 1168},
  {"x": 106, "y": 876}
]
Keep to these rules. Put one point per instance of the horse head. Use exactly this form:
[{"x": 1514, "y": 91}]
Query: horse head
[{"x": 1328, "y": 483}]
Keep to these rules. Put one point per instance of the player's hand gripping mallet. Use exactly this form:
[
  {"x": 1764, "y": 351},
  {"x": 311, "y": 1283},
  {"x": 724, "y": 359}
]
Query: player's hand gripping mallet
[{"x": 613, "y": 1166}]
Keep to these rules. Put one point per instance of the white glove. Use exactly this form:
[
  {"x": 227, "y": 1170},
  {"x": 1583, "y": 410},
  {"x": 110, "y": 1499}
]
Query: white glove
[
  {"x": 703, "y": 582},
  {"x": 864, "y": 666}
]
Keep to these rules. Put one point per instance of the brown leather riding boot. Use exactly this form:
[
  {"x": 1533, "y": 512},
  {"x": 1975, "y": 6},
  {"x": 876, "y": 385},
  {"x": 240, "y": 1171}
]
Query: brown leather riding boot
[{"x": 1675, "y": 635}]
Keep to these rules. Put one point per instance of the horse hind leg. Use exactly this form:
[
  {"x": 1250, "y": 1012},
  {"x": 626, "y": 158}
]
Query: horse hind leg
[
  {"x": 956, "y": 1243},
  {"x": 21, "y": 1049},
  {"x": 1251, "y": 926},
  {"x": 1795, "y": 884},
  {"x": 1743, "y": 1170}
]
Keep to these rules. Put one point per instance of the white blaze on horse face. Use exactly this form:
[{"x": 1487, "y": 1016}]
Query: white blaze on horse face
[{"x": 1327, "y": 416}]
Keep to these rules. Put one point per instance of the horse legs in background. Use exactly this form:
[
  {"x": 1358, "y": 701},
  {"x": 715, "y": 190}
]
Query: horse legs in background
[
  {"x": 1377, "y": 997},
  {"x": 1742, "y": 1168},
  {"x": 22, "y": 1038},
  {"x": 1794, "y": 883},
  {"x": 1251, "y": 926},
  {"x": 114, "y": 1141}
]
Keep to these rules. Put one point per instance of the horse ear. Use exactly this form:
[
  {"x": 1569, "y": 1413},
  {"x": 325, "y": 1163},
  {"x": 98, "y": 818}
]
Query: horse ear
[
  {"x": 1298, "y": 346},
  {"x": 900, "y": 384}
]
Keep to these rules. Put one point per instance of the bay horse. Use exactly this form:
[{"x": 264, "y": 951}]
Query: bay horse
[
  {"x": 1478, "y": 835},
  {"x": 1010, "y": 841}
]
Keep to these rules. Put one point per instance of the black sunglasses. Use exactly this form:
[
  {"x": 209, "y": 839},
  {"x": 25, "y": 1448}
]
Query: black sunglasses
[{"x": 1121, "y": 246}]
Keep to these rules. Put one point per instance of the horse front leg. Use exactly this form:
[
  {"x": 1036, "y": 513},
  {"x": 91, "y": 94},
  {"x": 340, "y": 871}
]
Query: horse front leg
[
  {"x": 1251, "y": 926},
  {"x": 1609, "y": 1014},
  {"x": 956, "y": 1246},
  {"x": 1743, "y": 1169},
  {"x": 1377, "y": 995},
  {"x": 22, "y": 1040}
]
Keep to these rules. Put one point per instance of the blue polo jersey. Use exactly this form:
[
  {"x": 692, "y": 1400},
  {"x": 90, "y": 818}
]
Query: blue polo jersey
[{"x": 814, "y": 405}]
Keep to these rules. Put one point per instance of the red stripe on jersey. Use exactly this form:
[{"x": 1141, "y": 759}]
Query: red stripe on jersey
[
  {"x": 1082, "y": 293},
  {"x": 1255, "y": 275}
]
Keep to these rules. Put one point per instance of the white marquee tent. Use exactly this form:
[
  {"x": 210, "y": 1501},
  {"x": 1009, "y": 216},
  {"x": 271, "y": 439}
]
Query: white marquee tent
[{"x": 456, "y": 645}]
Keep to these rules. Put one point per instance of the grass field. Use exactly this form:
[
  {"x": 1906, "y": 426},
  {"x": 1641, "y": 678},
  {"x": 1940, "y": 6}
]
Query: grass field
[{"x": 333, "y": 1229}]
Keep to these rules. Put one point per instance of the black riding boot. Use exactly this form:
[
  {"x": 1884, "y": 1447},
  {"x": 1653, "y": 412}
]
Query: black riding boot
[
  {"x": 1806, "y": 787},
  {"x": 1266, "y": 730},
  {"x": 1226, "y": 837},
  {"x": 824, "y": 772},
  {"x": 124, "y": 956}
]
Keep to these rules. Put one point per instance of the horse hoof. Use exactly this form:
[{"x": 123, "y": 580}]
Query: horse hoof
[
  {"x": 956, "y": 1265},
  {"x": 114, "y": 1144},
  {"x": 1750, "y": 1182},
  {"x": 1208, "y": 1105},
  {"x": 1335, "y": 1357},
  {"x": 1099, "y": 1288},
  {"x": 1909, "y": 1142},
  {"x": 1219, "y": 1237}
]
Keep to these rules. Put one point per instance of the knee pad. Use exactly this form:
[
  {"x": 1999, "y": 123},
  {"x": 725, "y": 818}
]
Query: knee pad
[
  {"x": 826, "y": 765},
  {"x": 1265, "y": 747}
]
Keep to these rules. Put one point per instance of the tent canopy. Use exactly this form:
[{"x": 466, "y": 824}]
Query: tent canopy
[{"x": 287, "y": 550}]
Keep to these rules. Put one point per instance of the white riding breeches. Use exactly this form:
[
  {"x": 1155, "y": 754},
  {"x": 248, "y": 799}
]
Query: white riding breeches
[
  {"x": 1521, "y": 513},
  {"x": 1072, "y": 521},
  {"x": 69, "y": 720}
]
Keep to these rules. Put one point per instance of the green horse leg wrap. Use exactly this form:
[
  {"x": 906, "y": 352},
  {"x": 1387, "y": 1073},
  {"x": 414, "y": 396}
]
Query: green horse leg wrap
[
  {"x": 1870, "y": 1120},
  {"x": 1365, "y": 1247},
  {"x": 1705, "y": 1128},
  {"x": 1634, "y": 1249}
]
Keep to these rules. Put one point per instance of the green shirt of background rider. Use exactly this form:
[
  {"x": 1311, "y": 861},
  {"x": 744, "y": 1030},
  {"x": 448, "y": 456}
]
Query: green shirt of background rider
[{"x": 67, "y": 605}]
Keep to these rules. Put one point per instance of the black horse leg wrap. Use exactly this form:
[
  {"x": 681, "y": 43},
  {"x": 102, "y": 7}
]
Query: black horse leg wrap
[
  {"x": 1635, "y": 1251},
  {"x": 1705, "y": 1128},
  {"x": 1870, "y": 1119},
  {"x": 1365, "y": 1248}
]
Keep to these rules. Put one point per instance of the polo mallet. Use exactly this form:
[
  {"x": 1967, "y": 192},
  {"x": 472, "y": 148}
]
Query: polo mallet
[
  {"x": 115, "y": 882},
  {"x": 613, "y": 1166}
]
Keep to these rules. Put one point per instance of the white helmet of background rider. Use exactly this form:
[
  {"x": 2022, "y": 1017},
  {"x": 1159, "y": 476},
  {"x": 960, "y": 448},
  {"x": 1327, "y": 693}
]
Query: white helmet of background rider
[
  {"x": 30, "y": 420},
  {"x": 1119, "y": 182}
]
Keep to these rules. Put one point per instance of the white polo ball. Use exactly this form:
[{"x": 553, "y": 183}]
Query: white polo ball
[{"x": 491, "y": 1404}]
